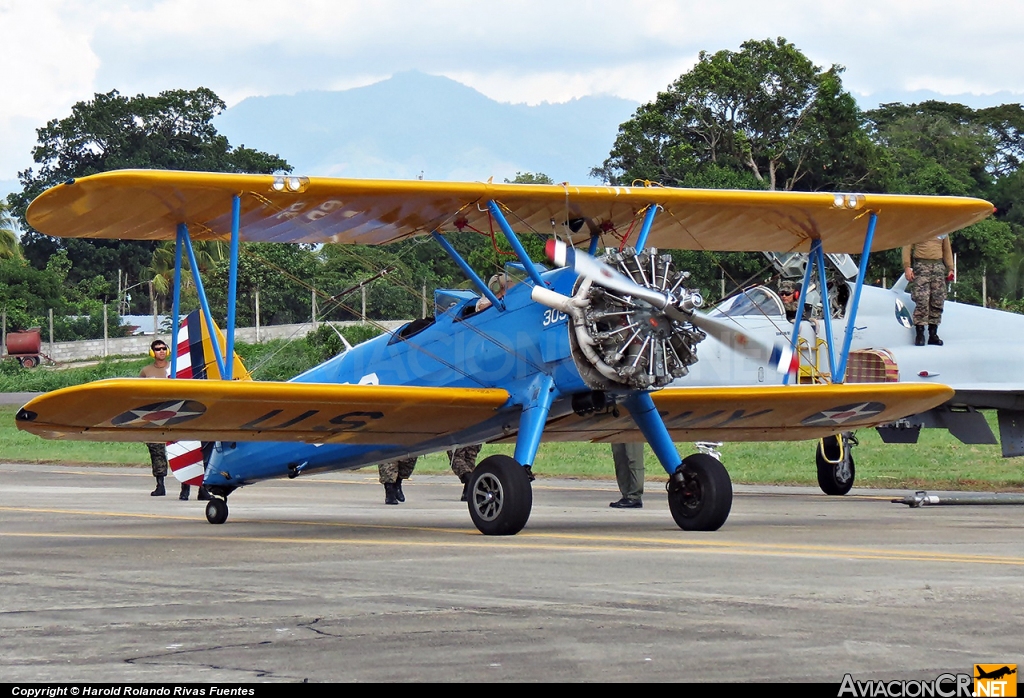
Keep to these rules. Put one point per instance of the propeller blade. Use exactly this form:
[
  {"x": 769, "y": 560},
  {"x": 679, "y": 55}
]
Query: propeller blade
[
  {"x": 601, "y": 274},
  {"x": 780, "y": 357}
]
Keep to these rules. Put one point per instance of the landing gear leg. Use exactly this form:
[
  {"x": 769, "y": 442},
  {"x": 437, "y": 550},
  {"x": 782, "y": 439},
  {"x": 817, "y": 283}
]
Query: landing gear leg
[
  {"x": 834, "y": 458},
  {"x": 500, "y": 496},
  {"x": 699, "y": 488},
  {"x": 700, "y": 493}
]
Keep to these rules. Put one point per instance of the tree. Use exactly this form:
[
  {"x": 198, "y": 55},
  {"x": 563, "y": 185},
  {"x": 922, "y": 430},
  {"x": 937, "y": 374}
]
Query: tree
[
  {"x": 172, "y": 130},
  {"x": 761, "y": 118},
  {"x": 9, "y": 248}
]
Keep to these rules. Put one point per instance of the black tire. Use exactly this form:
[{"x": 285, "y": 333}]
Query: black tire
[
  {"x": 29, "y": 361},
  {"x": 500, "y": 496},
  {"x": 217, "y": 510},
  {"x": 835, "y": 475},
  {"x": 702, "y": 499}
]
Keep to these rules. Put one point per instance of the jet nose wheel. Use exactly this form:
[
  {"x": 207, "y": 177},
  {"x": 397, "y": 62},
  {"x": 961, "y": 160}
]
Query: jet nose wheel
[
  {"x": 700, "y": 494},
  {"x": 500, "y": 496},
  {"x": 834, "y": 458},
  {"x": 217, "y": 510}
]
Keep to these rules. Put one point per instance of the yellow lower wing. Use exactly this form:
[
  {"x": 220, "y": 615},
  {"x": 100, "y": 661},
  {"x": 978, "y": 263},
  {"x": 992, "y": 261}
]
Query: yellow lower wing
[
  {"x": 761, "y": 413},
  {"x": 138, "y": 409},
  {"x": 151, "y": 410}
]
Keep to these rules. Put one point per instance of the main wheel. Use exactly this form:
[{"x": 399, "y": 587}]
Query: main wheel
[
  {"x": 29, "y": 361},
  {"x": 835, "y": 464},
  {"x": 700, "y": 494},
  {"x": 217, "y": 510},
  {"x": 500, "y": 496}
]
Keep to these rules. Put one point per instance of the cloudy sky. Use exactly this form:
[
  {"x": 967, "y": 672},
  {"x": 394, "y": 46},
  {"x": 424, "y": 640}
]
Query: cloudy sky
[{"x": 54, "y": 53}]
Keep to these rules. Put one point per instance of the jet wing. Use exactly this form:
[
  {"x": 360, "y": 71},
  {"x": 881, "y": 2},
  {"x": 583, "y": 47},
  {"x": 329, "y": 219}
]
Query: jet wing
[
  {"x": 150, "y": 204},
  {"x": 761, "y": 413},
  {"x": 153, "y": 410}
]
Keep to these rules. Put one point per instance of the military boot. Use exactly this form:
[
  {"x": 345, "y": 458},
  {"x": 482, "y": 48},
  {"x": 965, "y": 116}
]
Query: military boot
[
  {"x": 389, "y": 493},
  {"x": 465, "y": 477},
  {"x": 399, "y": 494},
  {"x": 159, "y": 491},
  {"x": 919, "y": 339},
  {"x": 185, "y": 489},
  {"x": 204, "y": 494},
  {"x": 933, "y": 335}
]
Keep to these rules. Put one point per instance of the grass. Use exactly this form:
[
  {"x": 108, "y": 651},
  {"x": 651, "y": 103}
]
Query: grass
[
  {"x": 15, "y": 379},
  {"x": 937, "y": 462}
]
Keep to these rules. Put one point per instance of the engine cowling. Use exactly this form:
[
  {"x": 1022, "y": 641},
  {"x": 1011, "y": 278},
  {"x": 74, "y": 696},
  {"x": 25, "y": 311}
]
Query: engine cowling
[{"x": 626, "y": 340}]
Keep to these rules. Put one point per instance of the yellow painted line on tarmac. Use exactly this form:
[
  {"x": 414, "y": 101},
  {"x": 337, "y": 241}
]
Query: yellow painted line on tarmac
[
  {"x": 196, "y": 519},
  {"x": 524, "y": 541}
]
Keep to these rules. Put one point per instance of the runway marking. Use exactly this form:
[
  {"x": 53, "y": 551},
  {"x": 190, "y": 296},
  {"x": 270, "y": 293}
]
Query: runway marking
[
  {"x": 524, "y": 541},
  {"x": 596, "y": 485}
]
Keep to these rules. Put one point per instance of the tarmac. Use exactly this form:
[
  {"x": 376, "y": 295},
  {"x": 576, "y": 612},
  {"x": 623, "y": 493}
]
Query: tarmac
[{"x": 315, "y": 579}]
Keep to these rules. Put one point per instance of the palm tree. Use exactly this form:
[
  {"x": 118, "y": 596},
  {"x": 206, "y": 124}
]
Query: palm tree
[
  {"x": 9, "y": 247},
  {"x": 162, "y": 265}
]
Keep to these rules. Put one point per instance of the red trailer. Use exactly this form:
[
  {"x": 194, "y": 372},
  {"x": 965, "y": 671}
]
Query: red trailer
[{"x": 25, "y": 347}]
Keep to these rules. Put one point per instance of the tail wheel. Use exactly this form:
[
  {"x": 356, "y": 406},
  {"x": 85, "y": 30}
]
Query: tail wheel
[
  {"x": 834, "y": 458},
  {"x": 700, "y": 494},
  {"x": 500, "y": 496},
  {"x": 217, "y": 510}
]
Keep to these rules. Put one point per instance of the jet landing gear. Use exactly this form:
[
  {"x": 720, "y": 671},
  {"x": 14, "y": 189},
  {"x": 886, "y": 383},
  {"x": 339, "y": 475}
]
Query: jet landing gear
[
  {"x": 500, "y": 496},
  {"x": 700, "y": 493},
  {"x": 835, "y": 463}
]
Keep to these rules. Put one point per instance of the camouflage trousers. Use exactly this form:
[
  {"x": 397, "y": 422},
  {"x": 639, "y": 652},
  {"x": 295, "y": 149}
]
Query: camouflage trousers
[
  {"x": 390, "y": 472},
  {"x": 158, "y": 457},
  {"x": 928, "y": 291},
  {"x": 464, "y": 459}
]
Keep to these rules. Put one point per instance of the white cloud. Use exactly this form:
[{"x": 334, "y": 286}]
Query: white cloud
[
  {"x": 56, "y": 52},
  {"x": 48, "y": 65}
]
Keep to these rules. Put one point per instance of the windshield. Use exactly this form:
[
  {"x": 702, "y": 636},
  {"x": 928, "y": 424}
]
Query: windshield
[{"x": 759, "y": 300}]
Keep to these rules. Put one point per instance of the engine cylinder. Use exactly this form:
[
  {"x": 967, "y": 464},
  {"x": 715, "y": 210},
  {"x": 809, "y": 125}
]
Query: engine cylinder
[{"x": 631, "y": 342}]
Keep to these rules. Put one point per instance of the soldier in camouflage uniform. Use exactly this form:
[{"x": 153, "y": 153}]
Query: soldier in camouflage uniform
[
  {"x": 929, "y": 265},
  {"x": 392, "y": 473},
  {"x": 463, "y": 462}
]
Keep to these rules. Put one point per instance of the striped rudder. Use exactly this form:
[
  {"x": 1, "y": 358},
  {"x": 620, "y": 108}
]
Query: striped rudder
[{"x": 196, "y": 359}]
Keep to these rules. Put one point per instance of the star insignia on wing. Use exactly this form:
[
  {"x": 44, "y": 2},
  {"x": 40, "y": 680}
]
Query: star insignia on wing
[
  {"x": 844, "y": 413},
  {"x": 160, "y": 414}
]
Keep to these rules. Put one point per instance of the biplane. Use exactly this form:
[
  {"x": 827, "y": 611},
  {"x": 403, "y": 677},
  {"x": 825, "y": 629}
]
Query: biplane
[{"x": 583, "y": 351}]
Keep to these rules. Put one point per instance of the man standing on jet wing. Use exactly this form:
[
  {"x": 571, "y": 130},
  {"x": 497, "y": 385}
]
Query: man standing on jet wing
[{"x": 929, "y": 265}]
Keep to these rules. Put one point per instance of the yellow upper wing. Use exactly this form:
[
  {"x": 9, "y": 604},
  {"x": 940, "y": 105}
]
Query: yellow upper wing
[
  {"x": 149, "y": 205},
  {"x": 137, "y": 409}
]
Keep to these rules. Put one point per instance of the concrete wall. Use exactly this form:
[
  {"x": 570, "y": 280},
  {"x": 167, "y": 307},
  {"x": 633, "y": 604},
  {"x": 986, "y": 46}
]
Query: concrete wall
[{"x": 62, "y": 352}]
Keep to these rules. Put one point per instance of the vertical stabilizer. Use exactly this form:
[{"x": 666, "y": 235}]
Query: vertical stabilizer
[{"x": 196, "y": 360}]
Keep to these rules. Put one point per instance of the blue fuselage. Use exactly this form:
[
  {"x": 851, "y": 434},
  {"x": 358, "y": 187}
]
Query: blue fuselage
[{"x": 512, "y": 349}]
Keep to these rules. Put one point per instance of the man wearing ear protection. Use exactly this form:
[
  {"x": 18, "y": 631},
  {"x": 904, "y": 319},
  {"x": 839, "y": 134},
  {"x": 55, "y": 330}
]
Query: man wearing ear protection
[
  {"x": 789, "y": 291},
  {"x": 157, "y": 452}
]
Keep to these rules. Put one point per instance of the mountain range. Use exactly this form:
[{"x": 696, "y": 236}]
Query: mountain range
[{"x": 414, "y": 124}]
